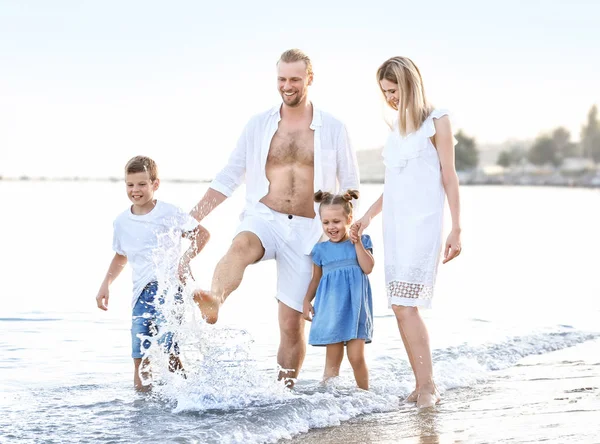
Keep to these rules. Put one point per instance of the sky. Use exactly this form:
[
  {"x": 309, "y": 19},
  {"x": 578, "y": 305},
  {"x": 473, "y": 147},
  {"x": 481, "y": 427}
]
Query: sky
[{"x": 85, "y": 85}]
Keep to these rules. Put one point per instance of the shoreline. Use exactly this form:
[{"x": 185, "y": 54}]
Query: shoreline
[{"x": 553, "y": 397}]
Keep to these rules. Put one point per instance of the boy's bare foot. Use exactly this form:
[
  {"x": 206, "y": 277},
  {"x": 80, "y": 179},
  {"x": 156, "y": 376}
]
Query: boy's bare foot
[
  {"x": 288, "y": 382},
  {"x": 426, "y": 399},
  {"x": 412, "y": 397},
  {"x": 208, "y": 305},
  {"x": 141, "y": 388}
]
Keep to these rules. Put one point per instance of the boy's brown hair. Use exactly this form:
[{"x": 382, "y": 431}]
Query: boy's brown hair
[{"x": 142, "y": 164}]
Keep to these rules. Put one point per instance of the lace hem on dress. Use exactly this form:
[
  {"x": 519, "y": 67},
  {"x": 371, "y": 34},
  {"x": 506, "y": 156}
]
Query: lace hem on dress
[{"x": 409, "y": 294}]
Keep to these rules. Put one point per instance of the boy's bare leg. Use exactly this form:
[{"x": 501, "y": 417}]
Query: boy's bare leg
[
  {"x": 292, "y": 346},
  {"x": 413, "y": 328},
  {"x": 141, "y": 370},
  {"x": 333, "y": 360},
  {"x": 356, "y": 356},
  {"x": 245, "y": 249},
  {"x": 175, "y": 364}
]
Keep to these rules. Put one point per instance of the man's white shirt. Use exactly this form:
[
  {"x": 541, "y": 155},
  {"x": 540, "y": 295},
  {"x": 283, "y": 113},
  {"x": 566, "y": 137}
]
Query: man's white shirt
[{"x": 335, "y": 165}]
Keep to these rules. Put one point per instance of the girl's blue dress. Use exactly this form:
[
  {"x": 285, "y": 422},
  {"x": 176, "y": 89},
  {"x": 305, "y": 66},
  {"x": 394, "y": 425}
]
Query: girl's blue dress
[{"x": 343, "y": 302}]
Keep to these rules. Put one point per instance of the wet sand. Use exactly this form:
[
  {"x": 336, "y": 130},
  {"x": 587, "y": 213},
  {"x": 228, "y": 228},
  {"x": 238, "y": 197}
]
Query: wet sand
[{"x": 547, "y": 398}]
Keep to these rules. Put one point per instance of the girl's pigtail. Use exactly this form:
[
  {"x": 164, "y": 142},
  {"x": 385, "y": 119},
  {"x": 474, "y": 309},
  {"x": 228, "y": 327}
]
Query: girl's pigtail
[
  {"x": 350, "y": 194},
  {"x": 321, "y": 196}
]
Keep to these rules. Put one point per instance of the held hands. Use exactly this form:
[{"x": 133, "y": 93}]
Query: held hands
[
  {"x": 453, "y": 246},
  {"x": 357, "y": 228},
  {"x": 308, "y": 311},
  {"x": 102, "y": 298},
  {"x": 354, "y": 236}
]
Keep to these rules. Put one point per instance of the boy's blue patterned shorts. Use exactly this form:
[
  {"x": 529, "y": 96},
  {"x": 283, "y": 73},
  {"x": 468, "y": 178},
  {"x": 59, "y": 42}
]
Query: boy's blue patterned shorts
[{"x": 146, "y": 320}]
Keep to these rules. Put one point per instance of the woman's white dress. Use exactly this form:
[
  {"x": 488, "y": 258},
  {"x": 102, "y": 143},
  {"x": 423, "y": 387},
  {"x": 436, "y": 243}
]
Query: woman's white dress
[{"x": 413, "y": 207}]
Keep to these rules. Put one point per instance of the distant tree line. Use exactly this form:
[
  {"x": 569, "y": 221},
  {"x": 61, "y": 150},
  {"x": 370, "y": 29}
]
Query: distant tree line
[
  {"x": 556, "y": 146},
  {"x": 466, "y": 152}
]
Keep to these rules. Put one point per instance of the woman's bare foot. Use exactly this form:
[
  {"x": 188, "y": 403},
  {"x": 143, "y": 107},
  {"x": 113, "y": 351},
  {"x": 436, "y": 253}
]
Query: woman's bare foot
[
  {"x": 412, "y": 397},
  {"x": 208, "y": 304},
  {"x": 427, "y": 398}
]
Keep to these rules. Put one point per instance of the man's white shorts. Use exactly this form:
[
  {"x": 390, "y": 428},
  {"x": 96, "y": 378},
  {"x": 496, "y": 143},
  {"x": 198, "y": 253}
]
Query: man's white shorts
[{"x": 284, "y": 238}]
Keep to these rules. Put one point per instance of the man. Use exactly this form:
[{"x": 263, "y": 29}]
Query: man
[{"x": 285, "y": 154}]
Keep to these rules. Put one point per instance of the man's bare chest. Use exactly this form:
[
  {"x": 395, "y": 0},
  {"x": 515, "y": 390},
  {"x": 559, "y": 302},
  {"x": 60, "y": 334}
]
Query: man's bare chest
[{"x": 292, "y": 147}]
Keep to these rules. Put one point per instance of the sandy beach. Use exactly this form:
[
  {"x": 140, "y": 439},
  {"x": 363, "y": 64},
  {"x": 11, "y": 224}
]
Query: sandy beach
[{"x": 547, "y": 398}]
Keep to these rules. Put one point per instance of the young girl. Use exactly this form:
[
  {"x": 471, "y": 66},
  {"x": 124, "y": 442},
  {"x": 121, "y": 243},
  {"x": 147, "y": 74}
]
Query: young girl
[
  {"x": 343, "y": 311},
  {"x": 419, "y": 175}
]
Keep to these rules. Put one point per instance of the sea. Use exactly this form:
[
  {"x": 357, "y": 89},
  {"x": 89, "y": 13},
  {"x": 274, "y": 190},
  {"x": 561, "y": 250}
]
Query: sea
[{"x": 518, "y": 308}]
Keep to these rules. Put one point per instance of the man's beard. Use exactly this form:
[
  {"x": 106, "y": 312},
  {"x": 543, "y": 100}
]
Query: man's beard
[{"x": 295, "y": 102}]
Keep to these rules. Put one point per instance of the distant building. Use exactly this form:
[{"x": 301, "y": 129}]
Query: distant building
[{"x": 576, "y": 165}]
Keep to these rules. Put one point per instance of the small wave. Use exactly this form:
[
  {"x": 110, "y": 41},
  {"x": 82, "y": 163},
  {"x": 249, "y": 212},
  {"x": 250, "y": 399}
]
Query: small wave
[
  {"x": 235, "y": 400},
  {"x": 497, "y": 356},
  {"x": 247, "y": 406}
]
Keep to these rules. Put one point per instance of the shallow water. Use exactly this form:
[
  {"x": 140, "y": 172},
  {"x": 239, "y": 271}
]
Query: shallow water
[{"x": 525, "y": 285}]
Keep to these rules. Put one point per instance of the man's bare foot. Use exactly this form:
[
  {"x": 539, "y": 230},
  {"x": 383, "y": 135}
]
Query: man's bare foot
[
  {"x": 426, "y": 399},
  {"x": 412, "y": 397},
  {"x": 208, "y": 305}
]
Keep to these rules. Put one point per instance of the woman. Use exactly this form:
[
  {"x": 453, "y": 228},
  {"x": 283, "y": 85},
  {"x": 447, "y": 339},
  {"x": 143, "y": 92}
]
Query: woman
[{"x": 419, "y": 175}]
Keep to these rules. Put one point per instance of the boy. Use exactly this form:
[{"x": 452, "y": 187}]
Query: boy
[{"x": 148, "y": 236}]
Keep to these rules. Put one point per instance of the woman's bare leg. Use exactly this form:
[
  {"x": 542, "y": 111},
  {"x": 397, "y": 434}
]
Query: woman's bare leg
[{"x": 414, "y": 331}]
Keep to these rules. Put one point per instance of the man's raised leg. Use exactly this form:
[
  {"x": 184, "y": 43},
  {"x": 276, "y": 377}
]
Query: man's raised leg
[
  {"x": 292, "y": 346},
  {"x": 246, "y": 248}
]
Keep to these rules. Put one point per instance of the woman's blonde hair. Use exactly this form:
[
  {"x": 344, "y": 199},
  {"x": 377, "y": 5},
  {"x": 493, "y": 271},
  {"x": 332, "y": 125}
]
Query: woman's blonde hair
[{"x": 412, "y": 101}]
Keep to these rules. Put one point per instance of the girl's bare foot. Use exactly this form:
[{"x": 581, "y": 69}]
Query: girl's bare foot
[{"x": 208, "y": 304}]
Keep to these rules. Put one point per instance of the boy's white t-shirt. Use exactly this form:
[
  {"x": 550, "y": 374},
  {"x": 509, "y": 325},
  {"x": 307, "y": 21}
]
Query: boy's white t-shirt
[{"x": 151, "y": 243}]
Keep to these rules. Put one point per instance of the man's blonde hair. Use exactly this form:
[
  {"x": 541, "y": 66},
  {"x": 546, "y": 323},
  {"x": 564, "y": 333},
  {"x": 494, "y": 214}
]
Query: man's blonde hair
[
  {"x": 403, "y": 72},
  {"x": 142, "y": 164},
  {"x": 296, "y": 55}
]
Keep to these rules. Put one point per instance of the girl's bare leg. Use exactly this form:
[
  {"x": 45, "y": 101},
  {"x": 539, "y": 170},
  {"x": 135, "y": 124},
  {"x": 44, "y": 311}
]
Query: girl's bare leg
[
  {"x": 333, "y": 360},
  {"x": 356, "y": 356}
]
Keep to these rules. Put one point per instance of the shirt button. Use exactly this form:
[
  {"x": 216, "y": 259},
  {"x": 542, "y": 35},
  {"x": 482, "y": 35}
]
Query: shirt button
[{"x": 290, "y": 216}]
